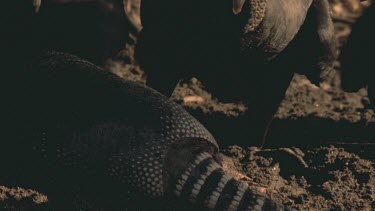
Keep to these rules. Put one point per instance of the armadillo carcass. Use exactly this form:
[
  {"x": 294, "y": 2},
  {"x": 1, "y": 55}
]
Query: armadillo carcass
[{"x": 75, "y": 129}]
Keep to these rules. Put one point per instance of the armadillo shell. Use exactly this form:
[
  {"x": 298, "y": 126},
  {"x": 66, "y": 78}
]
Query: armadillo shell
[{"x": 85, "y": 126}]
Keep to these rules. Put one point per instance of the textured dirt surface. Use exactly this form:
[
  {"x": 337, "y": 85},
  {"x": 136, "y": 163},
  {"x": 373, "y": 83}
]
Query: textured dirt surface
[
  {"x": 320, "y": 152},
  {"x": 324, "y": 178},
  {"x": 18, "y": 198}
]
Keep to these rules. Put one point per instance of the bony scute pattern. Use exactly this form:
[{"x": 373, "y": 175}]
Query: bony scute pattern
[
  {"x": 205, "y": 182},
  {"x": 107, "y": 134},
  {"x": 257, "y": 11}
]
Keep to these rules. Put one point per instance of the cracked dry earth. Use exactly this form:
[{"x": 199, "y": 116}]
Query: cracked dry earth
[{"x": 320, "y": 155}]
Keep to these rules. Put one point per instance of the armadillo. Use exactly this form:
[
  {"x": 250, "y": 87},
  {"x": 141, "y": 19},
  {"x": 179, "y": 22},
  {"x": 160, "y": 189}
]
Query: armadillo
[{"x": 77, "y": 128}]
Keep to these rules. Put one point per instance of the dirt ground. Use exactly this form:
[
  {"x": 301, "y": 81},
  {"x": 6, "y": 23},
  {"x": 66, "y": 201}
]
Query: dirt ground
[{"x": 320, "y": 151}]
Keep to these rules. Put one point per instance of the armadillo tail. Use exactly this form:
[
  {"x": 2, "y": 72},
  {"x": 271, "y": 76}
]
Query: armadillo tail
[{"x": 204, "y": 182}]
